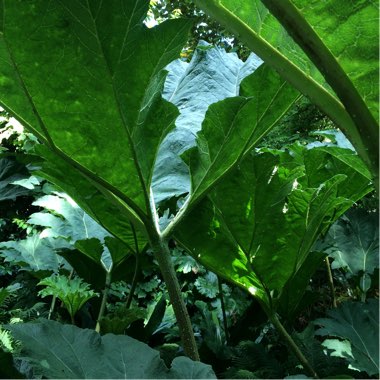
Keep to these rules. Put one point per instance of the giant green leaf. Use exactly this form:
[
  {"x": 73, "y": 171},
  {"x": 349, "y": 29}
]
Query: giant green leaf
[
  {"x": 260, "y": 223},
  {"x": 68, "y": 352},
  {"x": 72, "y": 72},
  {"x": 207, "y": 241},
  {"x": 357, "y": 323},
  {"x": 80, "y": 55}
]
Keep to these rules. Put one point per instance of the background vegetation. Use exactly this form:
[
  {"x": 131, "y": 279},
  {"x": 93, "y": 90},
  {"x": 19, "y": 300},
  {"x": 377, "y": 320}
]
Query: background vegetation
[{"x": 58, "y": 263}]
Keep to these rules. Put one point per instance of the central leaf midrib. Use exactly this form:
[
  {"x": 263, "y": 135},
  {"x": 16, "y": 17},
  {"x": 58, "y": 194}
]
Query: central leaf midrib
[
  {"x": 75, "y": 355},
  {"x": 119, "y": 108}
]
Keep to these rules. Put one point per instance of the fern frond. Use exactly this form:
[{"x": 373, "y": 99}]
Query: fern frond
[{"x": 6, "y": 340}]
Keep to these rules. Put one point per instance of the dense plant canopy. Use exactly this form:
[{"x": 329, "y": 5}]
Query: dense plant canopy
[{"x": 143, "y": 173}]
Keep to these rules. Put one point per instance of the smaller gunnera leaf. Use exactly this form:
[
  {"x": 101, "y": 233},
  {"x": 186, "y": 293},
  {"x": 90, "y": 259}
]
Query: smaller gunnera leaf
[
  {"x": 74, "y": 293},
  {"x": 357, "y": 323}
]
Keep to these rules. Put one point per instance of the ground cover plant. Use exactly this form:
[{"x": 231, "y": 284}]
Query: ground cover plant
[{"x": 144, "y": 168}]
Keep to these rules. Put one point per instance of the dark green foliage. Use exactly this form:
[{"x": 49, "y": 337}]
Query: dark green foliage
[
  {"x": 185, "y": 263},
  {"x": 7, "y": 368},
  {"x": 168, "y": 351},
  {"x": 15, "y": 200},
  {"x": 253, "y": 361},
  {"x": 139, "y": 144},
  {"x": 144, "y": 331},
  {"x": 156, "y": 317},
  {"x": 120, "y": 319},
  {"x": 271, "y": 359},
  {"x": 353, "y": 244},
  {"x": 21, "y": 304},
  {"x": 298, "y": 124},
  {"x": 296, "y": 295},
  {"x": 357, "y": 324},
  {"x": 7, "y": 293},
  {"x": 324, "y": 364},
  {"x": 207, "y": 285},
  {"x": 10, "y": 172},
  {"x": 211, "y": 328},
  {"x": 18, "y": 187}
]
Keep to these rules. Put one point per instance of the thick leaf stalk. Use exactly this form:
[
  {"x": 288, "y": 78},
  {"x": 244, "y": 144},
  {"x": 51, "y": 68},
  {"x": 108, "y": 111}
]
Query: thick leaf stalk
[
  {"x": 331, "y": 282},
  {"x": 104, "y": 301},
  {"x": 163, "y": 257},
  {"x": 223, "y": 306},
  {"x": 52, "y": 306},
  {"x": 137, "y": 269}
]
